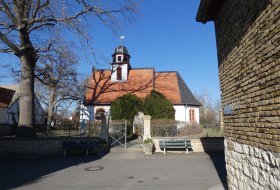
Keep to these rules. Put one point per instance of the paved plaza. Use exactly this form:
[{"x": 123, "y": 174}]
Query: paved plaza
[{"x": 114, "y": 171}]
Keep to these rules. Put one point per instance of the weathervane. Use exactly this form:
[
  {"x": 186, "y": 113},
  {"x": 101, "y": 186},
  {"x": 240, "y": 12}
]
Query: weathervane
[{"x": 122, "y": 39}]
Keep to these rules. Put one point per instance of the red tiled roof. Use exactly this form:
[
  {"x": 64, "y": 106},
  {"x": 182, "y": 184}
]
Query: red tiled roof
[
  {"x": 140, "y": 82},
  {"x": 6, "y": 96},
  {"x": 167, "y": 84},
  {"x": 102, "y": 90}
]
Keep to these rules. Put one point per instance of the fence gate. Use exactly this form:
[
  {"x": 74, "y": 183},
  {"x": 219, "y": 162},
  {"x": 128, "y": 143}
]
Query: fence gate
[{"x": 118, "y": 133}]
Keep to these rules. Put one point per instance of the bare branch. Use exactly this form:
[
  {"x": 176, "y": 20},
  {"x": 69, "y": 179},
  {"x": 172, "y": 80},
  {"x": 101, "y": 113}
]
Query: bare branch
[
  {"x": 40, "y": 26},
  {"x": 5, "y": 51},
  {"x": 7, "y": 10},
  {"x": 13, "y": 47},
  {"x": 39, "y": 6},
  {"x": 46, "y": 49}
]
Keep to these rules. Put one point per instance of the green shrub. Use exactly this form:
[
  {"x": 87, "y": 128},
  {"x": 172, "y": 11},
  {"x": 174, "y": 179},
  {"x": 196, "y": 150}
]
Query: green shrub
[
  {"x": 126, "y": 107},
  {"x": 158, "y": 106},
  {"x": 146, "y": 141}
]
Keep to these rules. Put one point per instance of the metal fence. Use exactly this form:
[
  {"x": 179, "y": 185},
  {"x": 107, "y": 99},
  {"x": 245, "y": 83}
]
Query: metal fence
[
  {"x": 92, "y": 129},
  {"x": 63, "y": 130},
  {"x": 164, "y": 131},
  {"x": 71, "y": 130}
]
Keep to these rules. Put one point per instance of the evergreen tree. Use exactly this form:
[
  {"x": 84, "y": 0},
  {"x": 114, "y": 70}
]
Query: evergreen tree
[
  {"x": 126, "y": 107},
  {"x": 158, "y": 106}
]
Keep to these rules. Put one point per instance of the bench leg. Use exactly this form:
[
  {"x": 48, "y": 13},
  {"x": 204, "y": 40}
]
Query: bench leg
[
  {"x": 164, "y": 150},
  {"x": 187, "y": 150},
  {"x": 64, "y": 152},
  {"x": 87, "y": 152}
]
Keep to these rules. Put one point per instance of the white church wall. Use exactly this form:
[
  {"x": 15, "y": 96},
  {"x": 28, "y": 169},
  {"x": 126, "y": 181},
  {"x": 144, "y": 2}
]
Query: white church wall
[
  {"x": 105, "y": 108},
  {"x": 180, "y": 113},
  {"x": 88, "y": 112},
  {"x": 124, "y": 70}
]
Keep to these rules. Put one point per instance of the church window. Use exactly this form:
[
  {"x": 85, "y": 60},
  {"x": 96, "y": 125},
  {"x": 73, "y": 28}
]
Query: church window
[
  {"x": 192, "y": 116},
  {"x": 119, "y": 73},
  {"x": 119, "y": 58}
]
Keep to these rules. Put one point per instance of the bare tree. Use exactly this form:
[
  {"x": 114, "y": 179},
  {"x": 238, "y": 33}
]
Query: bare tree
[
  {"x": 27, "y": 27},
  {"x": 209, "y": 113},
  {"x": 57, "y": 72}
]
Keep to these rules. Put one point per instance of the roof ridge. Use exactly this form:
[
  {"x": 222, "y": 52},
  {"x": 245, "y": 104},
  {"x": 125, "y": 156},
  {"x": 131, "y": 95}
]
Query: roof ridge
[{"x": 166, "y": 71}]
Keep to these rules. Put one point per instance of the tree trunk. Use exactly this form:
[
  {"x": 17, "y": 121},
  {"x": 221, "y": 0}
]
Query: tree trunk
[
  {"x": 26, "y": 101},
  {"x": 51, "y": 107},
  {"x": 28, "y": 58}
]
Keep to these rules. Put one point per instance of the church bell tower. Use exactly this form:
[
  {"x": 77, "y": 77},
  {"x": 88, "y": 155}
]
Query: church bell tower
[{"x": 120, "y": 65}]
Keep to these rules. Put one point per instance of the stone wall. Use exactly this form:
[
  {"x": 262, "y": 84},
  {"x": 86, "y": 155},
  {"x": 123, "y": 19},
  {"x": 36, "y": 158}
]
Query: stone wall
[
  {"x": 34, "y": 146},
  {"x": 248, "y": 43},
  {"x": 249, "y": 167}
]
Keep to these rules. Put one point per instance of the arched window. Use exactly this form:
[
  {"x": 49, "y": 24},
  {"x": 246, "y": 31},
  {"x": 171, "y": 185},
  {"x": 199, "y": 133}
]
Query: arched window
[{"x": 119, "y": 73}]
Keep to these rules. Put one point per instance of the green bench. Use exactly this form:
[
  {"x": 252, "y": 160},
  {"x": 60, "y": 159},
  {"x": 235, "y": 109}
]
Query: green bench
[
  {"x": 78, "y": 145},
  {"x": 175, "y": 143}
]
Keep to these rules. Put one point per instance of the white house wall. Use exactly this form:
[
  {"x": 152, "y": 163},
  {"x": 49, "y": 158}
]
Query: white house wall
[{"x": 14, "y": 110}]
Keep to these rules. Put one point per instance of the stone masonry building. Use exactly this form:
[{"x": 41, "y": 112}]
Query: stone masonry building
[{"x": 248, "y": 43}]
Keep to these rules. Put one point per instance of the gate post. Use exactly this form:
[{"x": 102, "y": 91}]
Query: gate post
[
  {"x": 104, "y": 133},
  {"x": 147, "y": 127}
]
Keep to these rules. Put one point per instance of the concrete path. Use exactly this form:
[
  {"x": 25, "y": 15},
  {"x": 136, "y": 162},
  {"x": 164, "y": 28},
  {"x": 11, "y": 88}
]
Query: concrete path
[{"x": 128, "y": 170}]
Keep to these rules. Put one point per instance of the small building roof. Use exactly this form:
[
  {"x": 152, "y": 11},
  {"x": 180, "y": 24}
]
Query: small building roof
[
  {"x": 6, "y": 97},
  {"x": 208, "y": 10}
]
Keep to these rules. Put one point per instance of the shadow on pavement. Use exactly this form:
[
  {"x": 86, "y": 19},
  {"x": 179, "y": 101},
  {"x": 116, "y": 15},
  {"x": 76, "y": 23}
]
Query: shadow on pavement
[
  {"x": 20, "y": 170},
  {"x": 218, "y": 158}
]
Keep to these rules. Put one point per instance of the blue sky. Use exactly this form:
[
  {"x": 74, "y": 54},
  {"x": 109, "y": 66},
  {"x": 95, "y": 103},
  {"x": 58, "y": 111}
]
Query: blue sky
[{"x": 165, "y": 36}]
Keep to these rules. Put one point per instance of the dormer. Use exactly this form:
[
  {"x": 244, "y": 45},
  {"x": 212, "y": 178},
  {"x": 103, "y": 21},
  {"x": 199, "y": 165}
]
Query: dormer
[{"x": 120, "y": 65}]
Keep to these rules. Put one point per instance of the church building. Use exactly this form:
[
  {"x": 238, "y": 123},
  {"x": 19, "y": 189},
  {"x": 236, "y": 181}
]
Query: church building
[{"x": 105, "y": 86}]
